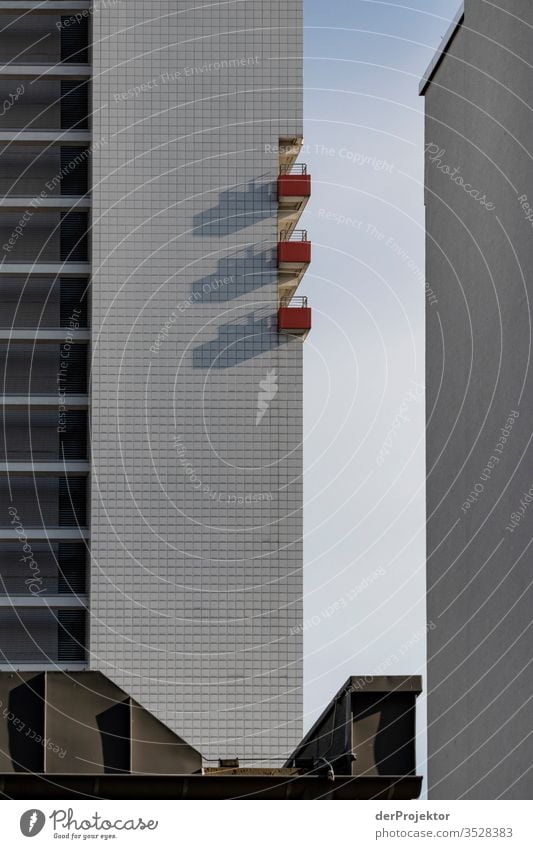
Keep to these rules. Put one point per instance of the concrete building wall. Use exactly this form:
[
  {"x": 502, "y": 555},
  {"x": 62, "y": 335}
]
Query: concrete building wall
[
  {"x": 196, "y": 505},
  {"x": 479, "y": 406}
]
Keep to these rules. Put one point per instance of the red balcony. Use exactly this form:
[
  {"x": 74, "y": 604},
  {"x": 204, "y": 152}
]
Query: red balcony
[
  {"x": 294, "y": 186},
  {"x": 294, "y": 190},
  {"x": 294, "y": 256},
  {"x": 294, "y": 317},
  {"x": 294, "y": 251}
]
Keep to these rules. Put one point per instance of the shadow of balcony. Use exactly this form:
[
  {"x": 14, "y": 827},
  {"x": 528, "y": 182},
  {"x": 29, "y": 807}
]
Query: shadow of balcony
[
  {"x": 240, "y": 340},
  {"x": 246, "y": 271},
  {"x": 237, "y": 209}
]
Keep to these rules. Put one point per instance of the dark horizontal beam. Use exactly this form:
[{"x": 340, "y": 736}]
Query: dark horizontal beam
[{"x": 39, "y": 786}]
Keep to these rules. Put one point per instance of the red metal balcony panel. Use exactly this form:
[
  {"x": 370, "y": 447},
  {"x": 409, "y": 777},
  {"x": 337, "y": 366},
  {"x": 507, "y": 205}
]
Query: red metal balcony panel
[
  {"x": 294, "y": 319},
  {"x": 299, "y": 252},
  {"x": 294, "y": 185}
]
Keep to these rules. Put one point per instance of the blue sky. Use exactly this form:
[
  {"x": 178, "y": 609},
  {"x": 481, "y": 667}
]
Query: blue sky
[{"x": 364, "y": 365}]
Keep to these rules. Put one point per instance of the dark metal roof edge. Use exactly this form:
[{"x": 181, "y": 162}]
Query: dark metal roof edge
[
  {"x": 111, "y": 786},
  {"x": 384, "y": 683},
  {"x": 442, "y": 49}
]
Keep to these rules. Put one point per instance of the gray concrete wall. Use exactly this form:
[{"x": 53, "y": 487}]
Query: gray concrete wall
[
  {"x": 196, "y": 507},
  {"x": 479, "y": 407}
]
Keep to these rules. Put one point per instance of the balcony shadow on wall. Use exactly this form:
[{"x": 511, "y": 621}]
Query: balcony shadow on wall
[
  {"x": 237, "y": 275},
  {"x": 236, "y": 210},
  {"x": 239, "y": 341}
]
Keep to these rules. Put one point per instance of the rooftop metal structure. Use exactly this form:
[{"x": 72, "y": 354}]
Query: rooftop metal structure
[{"x": 86, "y": 738}]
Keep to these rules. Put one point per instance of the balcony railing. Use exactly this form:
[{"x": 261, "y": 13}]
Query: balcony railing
[
  {"x": 298, "y": 302},
  {"x": 294, "y": 236},
  {"x": 299, "y": 169}
]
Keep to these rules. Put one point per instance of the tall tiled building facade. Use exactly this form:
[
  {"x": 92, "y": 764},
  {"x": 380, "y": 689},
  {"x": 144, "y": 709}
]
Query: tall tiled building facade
[
  {"x": 479, "y": 213},
  {"x": 152, "y": 395}
]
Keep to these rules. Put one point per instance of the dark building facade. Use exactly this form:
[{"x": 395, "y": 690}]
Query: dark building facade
[{"x": 479, "y": 219}]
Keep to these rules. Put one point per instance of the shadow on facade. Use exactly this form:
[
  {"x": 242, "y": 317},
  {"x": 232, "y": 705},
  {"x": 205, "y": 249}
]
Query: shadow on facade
[
  {"x": 237, "y": 210},
  {"x": 243, "y": 339},
  {"x": 237, "y": 275}
]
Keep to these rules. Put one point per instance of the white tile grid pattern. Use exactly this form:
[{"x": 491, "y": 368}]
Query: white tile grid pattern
[{"x": 194, "y": 593}]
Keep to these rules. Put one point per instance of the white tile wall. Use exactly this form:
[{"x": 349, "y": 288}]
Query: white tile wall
[{"x": 194, "y": 593}]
